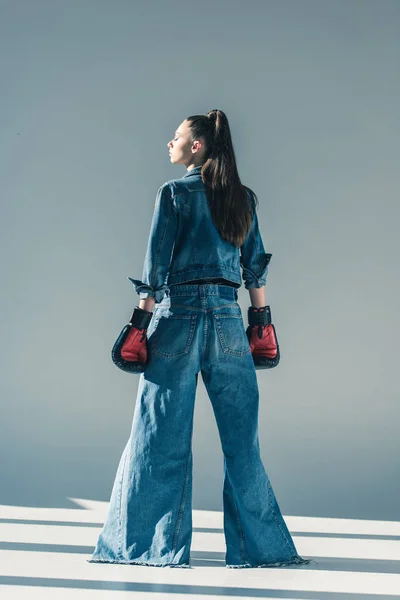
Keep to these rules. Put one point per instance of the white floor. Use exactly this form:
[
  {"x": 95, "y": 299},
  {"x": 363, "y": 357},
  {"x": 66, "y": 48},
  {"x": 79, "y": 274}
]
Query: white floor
[{"x": 43, "y": 555}]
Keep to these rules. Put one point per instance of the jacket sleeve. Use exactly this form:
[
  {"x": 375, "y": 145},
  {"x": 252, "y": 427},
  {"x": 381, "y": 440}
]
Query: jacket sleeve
[
  {"x": 159, "y": 248},
  {"x": 253, "y": 258}
]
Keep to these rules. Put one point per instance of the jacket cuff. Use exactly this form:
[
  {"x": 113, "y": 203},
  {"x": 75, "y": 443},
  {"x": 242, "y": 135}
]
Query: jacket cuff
[
  {"x": 259, "y": 279},
  {"x": 145, "y": 291}
]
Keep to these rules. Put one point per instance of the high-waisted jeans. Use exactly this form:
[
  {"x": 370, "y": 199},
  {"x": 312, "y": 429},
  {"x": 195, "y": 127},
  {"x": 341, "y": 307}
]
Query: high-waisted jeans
[{"x": 197, "y": 328}]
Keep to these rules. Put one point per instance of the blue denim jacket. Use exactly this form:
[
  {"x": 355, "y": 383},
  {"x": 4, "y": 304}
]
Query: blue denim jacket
[{"x": 184, "y": 243}]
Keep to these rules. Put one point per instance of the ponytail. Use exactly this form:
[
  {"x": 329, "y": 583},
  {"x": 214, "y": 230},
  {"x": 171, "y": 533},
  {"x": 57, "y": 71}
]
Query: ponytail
[{"x": 231, "y": 203}]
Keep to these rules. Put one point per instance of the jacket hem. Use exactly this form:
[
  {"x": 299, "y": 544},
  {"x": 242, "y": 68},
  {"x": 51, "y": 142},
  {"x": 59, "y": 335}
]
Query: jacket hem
[{"x": 199, "y": 272}]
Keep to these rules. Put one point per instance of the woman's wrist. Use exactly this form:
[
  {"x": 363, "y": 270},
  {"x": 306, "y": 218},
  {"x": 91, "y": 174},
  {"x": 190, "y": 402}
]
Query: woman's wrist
[
  {"x": 147, "y": 303},
  {"x": 257, "y": 297}
]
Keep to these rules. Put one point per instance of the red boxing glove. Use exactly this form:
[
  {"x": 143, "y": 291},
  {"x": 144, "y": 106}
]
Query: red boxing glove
[
  {"x": 134, "y": 348},
  {"x": 262, "y": 338},
  {"x": 129, "y": 352}
]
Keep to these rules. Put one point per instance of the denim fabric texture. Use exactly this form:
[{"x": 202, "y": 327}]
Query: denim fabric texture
[
  {"x": 198, "y": 328},
  {"x": 184, "y": 243}
]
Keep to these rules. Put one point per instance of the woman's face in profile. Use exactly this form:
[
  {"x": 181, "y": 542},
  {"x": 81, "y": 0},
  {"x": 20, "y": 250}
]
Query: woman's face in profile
[{"x": 181, "y": 146}]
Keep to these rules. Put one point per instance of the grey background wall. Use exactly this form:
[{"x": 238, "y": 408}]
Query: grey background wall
[{"x": 92, "y": 91}]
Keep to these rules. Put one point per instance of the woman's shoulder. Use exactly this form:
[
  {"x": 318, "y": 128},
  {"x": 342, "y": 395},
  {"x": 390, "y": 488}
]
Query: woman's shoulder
[
  {"x": 183, "y": 185},
  {"x": 179, "y": 186}
]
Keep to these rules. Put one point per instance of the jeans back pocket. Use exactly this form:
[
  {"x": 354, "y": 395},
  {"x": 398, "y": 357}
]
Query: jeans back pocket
[
  {"x": 231, "y": 333},
  {"x": 172, "y": 335}
]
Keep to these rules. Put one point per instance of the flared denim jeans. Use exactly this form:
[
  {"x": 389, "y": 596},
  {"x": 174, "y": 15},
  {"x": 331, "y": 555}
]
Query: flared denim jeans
[{"x": 197, "y": 328}]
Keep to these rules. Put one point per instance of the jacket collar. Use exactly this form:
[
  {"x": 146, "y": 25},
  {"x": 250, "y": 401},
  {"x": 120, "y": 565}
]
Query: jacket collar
[{"x": 194, "y": 171}]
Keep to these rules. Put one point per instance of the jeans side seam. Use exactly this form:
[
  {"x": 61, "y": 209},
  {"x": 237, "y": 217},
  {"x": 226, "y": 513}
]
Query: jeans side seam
[
  {"x": 119, "y": 501},
  {"x": 275, "y": 516},
  {"x": 183, "y": 501},
  {"x": 241, "y": 535}
]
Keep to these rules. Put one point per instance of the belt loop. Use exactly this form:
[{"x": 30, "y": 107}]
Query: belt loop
[{"x": 236, "y": 293}]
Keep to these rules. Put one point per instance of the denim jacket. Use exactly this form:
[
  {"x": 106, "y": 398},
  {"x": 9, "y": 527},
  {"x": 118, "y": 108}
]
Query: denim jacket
[{"x": 184, "y": 243}]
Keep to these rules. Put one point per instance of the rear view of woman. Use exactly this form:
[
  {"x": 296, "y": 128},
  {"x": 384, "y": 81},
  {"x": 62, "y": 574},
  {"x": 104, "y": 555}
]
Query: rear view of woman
[{"x": 204, "y": 231}]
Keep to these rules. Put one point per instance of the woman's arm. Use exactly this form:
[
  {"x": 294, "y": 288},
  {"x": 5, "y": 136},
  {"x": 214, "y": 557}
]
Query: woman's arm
[
  {"x": 257, "y": 297},
  {"x": 152, "y": 287}
]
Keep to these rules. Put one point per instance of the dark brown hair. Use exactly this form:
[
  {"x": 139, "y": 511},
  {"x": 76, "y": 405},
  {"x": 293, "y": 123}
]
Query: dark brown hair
[{"x": 231, "y": 207}]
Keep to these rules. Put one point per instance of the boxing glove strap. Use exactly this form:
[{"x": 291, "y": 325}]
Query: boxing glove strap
[
  {"x": 260, "y": 316},
  {"x": 140, "y": 318}
]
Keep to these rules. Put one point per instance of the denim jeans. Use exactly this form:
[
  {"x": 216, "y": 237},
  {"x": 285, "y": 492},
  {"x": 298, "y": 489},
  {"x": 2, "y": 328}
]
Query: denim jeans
[{"x": 198, "y": 328}]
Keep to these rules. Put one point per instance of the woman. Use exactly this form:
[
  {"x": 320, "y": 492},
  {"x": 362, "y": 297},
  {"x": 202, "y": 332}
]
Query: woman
[{"x": 204, "y": 229}]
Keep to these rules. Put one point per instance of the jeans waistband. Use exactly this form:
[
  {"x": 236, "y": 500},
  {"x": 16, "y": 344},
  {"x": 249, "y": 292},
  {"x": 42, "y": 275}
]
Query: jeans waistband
[{"x": 204, "y": 289}]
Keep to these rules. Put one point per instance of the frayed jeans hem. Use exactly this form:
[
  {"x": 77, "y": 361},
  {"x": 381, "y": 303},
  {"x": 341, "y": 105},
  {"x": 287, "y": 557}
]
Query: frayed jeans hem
[
  {"x": 137, "y": 562},
  {"x": 283, "y": 563}
]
